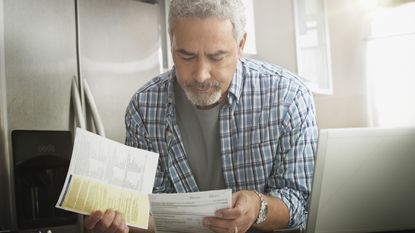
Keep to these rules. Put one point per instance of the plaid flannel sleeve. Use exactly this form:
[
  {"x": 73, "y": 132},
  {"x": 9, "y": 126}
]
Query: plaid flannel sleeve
[{"x": 296, "y": 153}]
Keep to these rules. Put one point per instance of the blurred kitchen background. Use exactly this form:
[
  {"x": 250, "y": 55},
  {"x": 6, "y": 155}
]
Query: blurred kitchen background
[{"x": 358, "y": 57}]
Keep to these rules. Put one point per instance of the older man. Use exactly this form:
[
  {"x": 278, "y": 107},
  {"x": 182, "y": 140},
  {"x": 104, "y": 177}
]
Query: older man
[{"x": 222, "y": 121}]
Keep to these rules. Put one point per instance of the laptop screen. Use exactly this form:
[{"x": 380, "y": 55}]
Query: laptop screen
[{"x": 364, "y": 181}]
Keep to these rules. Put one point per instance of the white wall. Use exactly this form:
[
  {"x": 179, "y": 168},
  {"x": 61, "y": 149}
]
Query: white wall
[
  {"x": 347, "y": 107},
  {"x": 347, "y": 29},
  {"x": 274, "y": 28}
]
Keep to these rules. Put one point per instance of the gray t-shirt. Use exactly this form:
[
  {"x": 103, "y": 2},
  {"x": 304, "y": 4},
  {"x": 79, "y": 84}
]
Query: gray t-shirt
[
  {"x": 199, "y": 130},
  {"x": 200, "y": 135}
]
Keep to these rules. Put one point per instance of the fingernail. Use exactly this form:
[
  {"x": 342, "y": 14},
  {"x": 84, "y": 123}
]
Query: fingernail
[
  {"x": 206, "y": 222},
  {"x": 98, "y": 214},
  {"x": 218, "y": 214}
]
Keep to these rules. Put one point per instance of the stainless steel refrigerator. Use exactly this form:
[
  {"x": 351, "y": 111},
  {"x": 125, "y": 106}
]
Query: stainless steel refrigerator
[{"x": 115, "y": 45}]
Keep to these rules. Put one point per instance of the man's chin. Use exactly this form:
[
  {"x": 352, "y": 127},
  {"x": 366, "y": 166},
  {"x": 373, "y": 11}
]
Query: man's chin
[{"x": 203, "y": 101}]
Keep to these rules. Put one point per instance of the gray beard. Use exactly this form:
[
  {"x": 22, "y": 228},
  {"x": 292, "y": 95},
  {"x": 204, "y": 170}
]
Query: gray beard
[{"x": 203, "y": 100}]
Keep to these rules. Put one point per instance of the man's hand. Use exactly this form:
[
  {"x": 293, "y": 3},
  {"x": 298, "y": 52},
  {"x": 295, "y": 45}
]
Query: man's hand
[
  {"x": 239, "y": 218},
  {"x": 109, "y": 222}
]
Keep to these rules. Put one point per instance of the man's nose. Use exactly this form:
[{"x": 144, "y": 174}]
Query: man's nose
[{"x": 201, "y": 70}]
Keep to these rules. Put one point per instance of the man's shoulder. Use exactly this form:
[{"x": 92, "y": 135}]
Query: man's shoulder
[
  {"x": 153, "y": 94},
  {"x": 262, "y": 67},
  {"x": 272, "y": 74},
  {"x": 158, "y": 84}
]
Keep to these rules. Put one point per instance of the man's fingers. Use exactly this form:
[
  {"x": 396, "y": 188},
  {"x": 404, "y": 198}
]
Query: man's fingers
[
  {"x": 125, "y": 228},
  {"x": 108, "y": 218},
  {"x": 91, "y": 220},
  {"x": 218, "y": 229},
  {"x": 239, "y": 218},
  {"x": 106, "y": 221},
  {"x": 236, "y": 211},
  {"x": 117, "y": 223},
  {"x": 218, "y": 225},
  {"x": 229, "y": 214},
  {"x": 110, "y": 222}
]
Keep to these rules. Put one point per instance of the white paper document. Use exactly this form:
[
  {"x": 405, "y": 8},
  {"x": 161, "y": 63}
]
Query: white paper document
[
  {"x": 106, "y": 174},
  {"x": 184, "y": 212}
]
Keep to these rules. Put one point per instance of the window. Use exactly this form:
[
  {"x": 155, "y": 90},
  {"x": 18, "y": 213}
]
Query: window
[
  {"x": 312, "y": 45},
  {"x": 390, "y": 66}
]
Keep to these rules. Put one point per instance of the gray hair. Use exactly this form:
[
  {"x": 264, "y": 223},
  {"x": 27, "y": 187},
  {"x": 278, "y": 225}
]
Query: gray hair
[{"x": 233, "y": 10}]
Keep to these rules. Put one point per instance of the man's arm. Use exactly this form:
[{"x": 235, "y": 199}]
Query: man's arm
[
  {"x": 289, "y": 185},
  {"x": 293, "y": 174}
]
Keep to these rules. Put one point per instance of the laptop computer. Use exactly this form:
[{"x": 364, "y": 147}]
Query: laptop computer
[{"x": 364, "y": 181}]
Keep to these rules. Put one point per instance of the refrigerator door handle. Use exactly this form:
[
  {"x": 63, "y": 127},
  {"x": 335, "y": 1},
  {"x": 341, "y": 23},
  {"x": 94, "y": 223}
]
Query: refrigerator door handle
[
  {"x": 79, "y": 112},
  {"x": 76, "y": 100},
  {"x": 99, "y": 126}
]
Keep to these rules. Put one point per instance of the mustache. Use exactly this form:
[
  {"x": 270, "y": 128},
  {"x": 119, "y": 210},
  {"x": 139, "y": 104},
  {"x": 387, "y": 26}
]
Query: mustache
[{"x": 205, "y": 85}]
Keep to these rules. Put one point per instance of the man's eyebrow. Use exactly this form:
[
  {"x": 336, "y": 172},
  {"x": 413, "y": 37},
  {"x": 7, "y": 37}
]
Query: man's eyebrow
[
  {"x": 218, "y": 53},
  {"x": 185, "y": 52},
  {"x": 214, "y": 54}
]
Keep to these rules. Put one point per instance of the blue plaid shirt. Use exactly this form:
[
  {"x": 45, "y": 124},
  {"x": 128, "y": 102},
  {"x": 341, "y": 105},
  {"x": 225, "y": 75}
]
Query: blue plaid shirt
[{"x": 268, "y": 135}]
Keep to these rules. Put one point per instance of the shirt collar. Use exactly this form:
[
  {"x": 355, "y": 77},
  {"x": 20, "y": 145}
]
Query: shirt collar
[
  {"x": 170, "y": 86},
  {"x": 235, "y": 88},
  {"x": 170, "y": 93}
]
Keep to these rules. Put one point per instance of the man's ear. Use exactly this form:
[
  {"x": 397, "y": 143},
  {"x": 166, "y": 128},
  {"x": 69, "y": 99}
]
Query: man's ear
[{"x": 242, "y": 45}]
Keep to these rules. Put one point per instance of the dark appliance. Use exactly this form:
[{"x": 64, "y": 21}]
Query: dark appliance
[{"x": 41, "y": 161}]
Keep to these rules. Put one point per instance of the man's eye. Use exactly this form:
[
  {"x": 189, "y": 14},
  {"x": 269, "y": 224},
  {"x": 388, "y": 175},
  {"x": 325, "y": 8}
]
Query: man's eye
[
  {"x": 216, "y": 58},
  {"x": 187, "y": 57}
]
